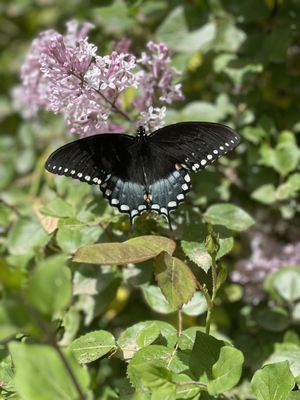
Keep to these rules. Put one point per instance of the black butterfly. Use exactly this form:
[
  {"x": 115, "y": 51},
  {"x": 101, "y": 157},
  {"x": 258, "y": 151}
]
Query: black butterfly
[{"x": 145, "y": 172}]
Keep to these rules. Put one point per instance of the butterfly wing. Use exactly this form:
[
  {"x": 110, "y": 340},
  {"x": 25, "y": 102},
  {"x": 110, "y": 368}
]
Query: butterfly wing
[
  {"x": 194, "y": 145},
  {"x": 108, "y": 160}
]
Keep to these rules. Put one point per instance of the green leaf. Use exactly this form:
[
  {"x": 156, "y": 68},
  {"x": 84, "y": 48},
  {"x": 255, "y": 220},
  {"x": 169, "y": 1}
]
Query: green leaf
[
  {"x": 286, "y": 158},
  {"x": 175, "y": 33},
  {"x": 132, "y": 251},
  {"x": 160, "y": 356},
  {"x": 274, "y": 320},
  {"x": 273, "y": 382},
  {"x": 265, "y": 194},
  {"x": 285, "y": 282},
  {"x": 287, "y": 352},
  {"x": 41, "y": 375},
  {"x": 156, "y": 300},
  {"x": 295, "y": 395},
  {"x": 205, "y": 354},
  {"x": 114, "y": 18},
  {"x": 176, "y": 280},
  {"x": 198, "y": 253},
  {"x": 19, "y": 234},
  {"x": 226, "y": 371},
  {"x": 196, "y": 306},
  {"x": 58, "y": 208},
  {"x": 6, "y": 376},
  {"x": 93, "y": 345},
  {"x": 137, "y": 336},
  {"x": 228, "y": 215},
  {"x": 289, "y": 188},
  {"x": 71, "y": 237},
  {"x": 49, "y": 288}
]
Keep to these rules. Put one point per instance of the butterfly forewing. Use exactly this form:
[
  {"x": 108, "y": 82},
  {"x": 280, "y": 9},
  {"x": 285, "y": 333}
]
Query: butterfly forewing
[
  {"x": 194, "y": 144},
  {"x": 92, "y": 159}
]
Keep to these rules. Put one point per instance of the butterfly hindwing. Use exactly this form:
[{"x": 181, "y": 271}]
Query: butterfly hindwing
[
  {"x": 194, "y": 144},
  {"x": 170, "y": 191},
  {"x": 127, "y": 196}
]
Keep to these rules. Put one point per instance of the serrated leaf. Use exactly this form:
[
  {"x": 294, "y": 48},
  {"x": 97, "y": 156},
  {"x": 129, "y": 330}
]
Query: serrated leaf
[
  {"x": 228, "y": 215},
  {"x": 160, "y": 356},
  {"x": 226, "y": 371},
  {"x": 93, "y": 345},
  {"x": 205, "y": 354},
  {"x": 289, "y": 353},
  {"x": 198, "y": 253},
  {"x": 273, "y": 382},
  {"x": 41, "y": 375},
  {"x": 196, "y": 306},
  {"x": 49, "y": 288},
  {"x": 137, "y": 336},
  {"x": 132, "y": 251},
  {"x": 176, "y": 280},
  {"x": 156, "y": 300}
]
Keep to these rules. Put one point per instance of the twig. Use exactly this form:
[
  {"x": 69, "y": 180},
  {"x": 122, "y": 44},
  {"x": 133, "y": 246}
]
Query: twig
[
  {"x": 112, "y": 103},
  {"x": 179, "y": 331},
  {"x": 52, "y": 341}
]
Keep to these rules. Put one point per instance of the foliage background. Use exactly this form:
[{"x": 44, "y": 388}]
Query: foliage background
[{"x": 240, "y": 64}]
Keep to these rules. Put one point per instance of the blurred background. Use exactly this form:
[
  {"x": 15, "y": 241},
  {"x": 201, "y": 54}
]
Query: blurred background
[{"x": 240, "y": 65}]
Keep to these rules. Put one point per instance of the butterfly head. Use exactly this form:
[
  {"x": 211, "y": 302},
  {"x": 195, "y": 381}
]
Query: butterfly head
[{"x": 141, "y": 132}]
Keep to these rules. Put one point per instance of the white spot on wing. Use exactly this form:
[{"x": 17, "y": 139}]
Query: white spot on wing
[
  {"x": 172, "y": 204},
  {"x": 114, "y": 202},
  {"x": 155, "y": 207},
  {"x": 142, "y": 207},
  {"x": 66, "y": 170},
  {"x": 209, "y": 156},
  {"x": 124, "y": 207},
  {"x": 187, "y": 178},
  {"x": 185, "y": 186},
  {"x": 180, "y": 196},
  {"x": 203, "y": 162},
  {"x": 79, "y": 175}
]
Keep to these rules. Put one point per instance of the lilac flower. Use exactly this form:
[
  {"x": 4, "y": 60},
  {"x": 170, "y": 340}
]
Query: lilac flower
[
  {"x": 64, "y": 74},
  {"x": 267, "y": 255},
  {"x": 156, "y": 79},
  {"x": 153, "y": 118}
]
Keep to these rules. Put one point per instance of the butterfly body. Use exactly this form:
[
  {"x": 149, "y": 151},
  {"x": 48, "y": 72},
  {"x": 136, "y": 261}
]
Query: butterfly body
[{"x": 145, "y": 172}]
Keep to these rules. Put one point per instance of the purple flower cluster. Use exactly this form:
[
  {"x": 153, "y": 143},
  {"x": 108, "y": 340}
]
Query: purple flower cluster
[
  {"x": 64, "y": 74},
  {"x": 267, "y": 255}
]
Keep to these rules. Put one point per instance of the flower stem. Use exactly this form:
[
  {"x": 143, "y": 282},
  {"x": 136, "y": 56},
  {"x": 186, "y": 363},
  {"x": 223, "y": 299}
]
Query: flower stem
[
  {"x": 51, "y": 338},
  {"x": 213, "y": 295},
  {"x": 112, "y": 103}
]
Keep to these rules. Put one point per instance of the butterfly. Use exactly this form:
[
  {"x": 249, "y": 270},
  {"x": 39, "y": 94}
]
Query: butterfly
[{"x": 146, "y": 172}]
